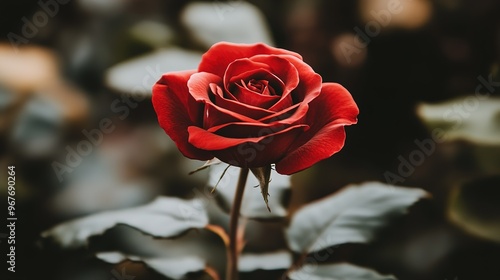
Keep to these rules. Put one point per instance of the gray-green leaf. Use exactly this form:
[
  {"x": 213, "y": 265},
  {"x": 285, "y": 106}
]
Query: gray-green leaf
[
  {"x": 174, "y": 268},
  {"x": 265, "y": 261},
  {"x": 164, "y": 217},
  {"x": 352, "y": 215}
]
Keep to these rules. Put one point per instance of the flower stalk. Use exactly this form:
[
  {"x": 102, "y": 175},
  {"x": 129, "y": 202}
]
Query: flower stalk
[{"x": 234, "y": 248}]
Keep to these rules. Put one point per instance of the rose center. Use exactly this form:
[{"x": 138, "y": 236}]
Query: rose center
[{"x": 258, "y": 86}]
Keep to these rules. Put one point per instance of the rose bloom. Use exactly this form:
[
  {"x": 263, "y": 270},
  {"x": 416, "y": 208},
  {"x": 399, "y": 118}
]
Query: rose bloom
[{"x": 253, "y": 106}]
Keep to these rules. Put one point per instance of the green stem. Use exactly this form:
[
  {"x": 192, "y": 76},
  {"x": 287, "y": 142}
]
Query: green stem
[{"x": 232, "y": 262}]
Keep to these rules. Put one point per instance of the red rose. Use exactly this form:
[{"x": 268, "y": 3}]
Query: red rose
[{"x": 254, "y": 105}]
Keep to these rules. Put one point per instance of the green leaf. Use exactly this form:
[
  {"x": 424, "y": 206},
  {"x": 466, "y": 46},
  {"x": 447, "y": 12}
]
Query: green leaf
[
  {"x": 138, "y": 75},
  {"x": 231, "y": 21},
  {"x": 477, "y": 121},
  {"x": 165, "y": 217},
  {"x": 265, "y": 261},
  {"x": 353, "y": 215},
  {"x": 174, "y": 268}
]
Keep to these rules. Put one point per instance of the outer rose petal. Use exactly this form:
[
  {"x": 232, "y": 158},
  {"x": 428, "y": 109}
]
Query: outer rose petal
[
  {"x": 210, "y": 141},
  {"x": 170, "y": 100},
  {"x": 333, "y": 109},
  {"x": 220, "y": 55},
  {"x": 246, "y": 152},
  {"x": 250, "y": 130}
]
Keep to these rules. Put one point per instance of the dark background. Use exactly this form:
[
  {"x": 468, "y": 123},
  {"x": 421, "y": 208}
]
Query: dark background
[{"x": 432, "y": 54}]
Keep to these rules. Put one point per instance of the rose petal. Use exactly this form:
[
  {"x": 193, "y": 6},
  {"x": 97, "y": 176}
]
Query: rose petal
[
  {"x": 215, "y": 115},
  {"x": 220, "y": 55},
  {"x": 224, "y": 94},
  {"x": 287, "y": 117},
  {"x": 287, "y": 72},
  {"x": 249, "y": 130},
  {"x": 308, "y": 88},
  {"x": 327, "y": 141},
  {"x": 200, "y": 87},
  {"x": 333, "y": 109},
  {"x": 342, "y": 106},
  {"x": 283, "y": 115},
  {"x": 205, "y": 140},
  {"x": 170, "y": 101},
  {"x": 244, "y": 109},
  {"x": 256, "y": 74},
  {"x": 280, "y": 67},
  {"x": 235, "y": 83},
  {"x": 246, "y": 96},
  {"x": 241, "y": 66},
  {"x": 246, "y": 152},
  {"x": 262, "y": 115},
  {"x": 264, "y": 153}
]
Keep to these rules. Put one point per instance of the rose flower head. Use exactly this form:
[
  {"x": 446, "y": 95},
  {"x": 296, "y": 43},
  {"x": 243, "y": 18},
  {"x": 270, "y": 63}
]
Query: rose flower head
[{"x": 252, "y": 106}]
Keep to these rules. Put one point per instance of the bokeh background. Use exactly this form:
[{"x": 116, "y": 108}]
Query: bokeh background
[{"x": 415, "y": 69}]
